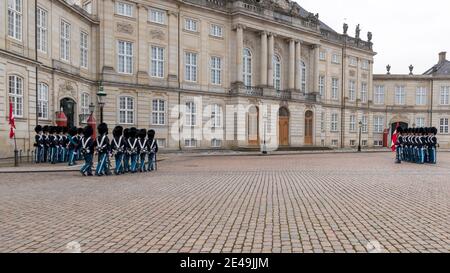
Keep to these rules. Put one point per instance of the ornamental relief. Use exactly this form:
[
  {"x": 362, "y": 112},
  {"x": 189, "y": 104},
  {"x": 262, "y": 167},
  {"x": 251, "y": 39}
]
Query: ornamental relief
[
  {"x": 66, "y": 89},
  {"x": 157, "y": 34},
  {"x": 125, "y": 28}
]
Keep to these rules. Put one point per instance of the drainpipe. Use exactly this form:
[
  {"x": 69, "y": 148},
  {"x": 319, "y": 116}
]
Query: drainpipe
[
  {"x": 179, "y": 77},
  {"x": 343, "y": 96},
  {"x": 431, "y": 104},
  {"x": 36, "y": 58}
]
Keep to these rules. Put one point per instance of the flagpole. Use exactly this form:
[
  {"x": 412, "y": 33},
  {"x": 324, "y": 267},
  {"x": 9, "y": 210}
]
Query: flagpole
[{"x": 16, "y": 153}]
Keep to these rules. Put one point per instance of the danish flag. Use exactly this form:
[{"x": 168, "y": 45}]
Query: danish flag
[
  {"x": 12, "y": 122},
  {"x": 394, "y": 137}
]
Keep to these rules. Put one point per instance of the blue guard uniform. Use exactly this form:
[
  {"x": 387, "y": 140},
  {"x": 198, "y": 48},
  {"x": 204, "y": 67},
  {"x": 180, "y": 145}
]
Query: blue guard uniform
[
  {"x": 126, "y": 155},
  {"x": 153, "y": 150},
  {"x": 132, "y": 149},
  {"x": 72, "y": 145},
  {"x": 143, "y": 149},
  {"x": 103, "y": 149},
  {"x": 118, "y": 149},
  {"x": 87, "y": 149},
  {"x": 38, "y": 145}
]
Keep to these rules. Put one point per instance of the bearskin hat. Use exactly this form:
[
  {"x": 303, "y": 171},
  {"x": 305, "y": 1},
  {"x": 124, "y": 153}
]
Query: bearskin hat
[
  {"x": 72, "y": 131},
  {"x": 80, "y": 130},
  {"x": 65, "y": 130},
  {"x": 133, "y": 132},
  {"x": 400, "y": 130},
  {"x": 45, "y": 129},
  {"x": 118, "y": 130},
  {"x": 126, "y": 133},
  {"x": 142, "y": 133},
  {"x": 102, "y": 128},
  {"x": 38, "y": 129},
  {"x": 434, "y": 131},
  {"x": 87, "y": 132},
  {"x": 151, "y": 134},
  {"x": 58, "y": 129},
  {"x": 52, "y": 129},
  {"x": 422, "y": 131}
]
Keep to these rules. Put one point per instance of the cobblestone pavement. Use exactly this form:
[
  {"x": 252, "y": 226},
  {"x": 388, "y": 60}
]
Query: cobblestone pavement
[{"x": 291, "y": 203}]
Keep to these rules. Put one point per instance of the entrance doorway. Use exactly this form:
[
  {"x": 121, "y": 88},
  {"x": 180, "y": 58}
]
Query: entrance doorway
[
  {"x": 68, "y": 107},
  {"x": 309, "y": 128},
  {"x": 283, "y": 126},
  {"x": 253, "y": 125}
]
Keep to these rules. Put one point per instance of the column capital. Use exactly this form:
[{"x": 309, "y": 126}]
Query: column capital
[
  {"x": 172, "y": 13},
  {"x": 271, "y": 34},
  {"x": 315, "y": 46},
  {"x": 264, "y": 32},
  {"x": 239, "y": 26}
]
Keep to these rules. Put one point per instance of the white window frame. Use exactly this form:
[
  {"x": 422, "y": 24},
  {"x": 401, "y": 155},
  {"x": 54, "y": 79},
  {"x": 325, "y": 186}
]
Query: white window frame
[
  {"x": 216, "y": 143},
  {"x": 364, "y": 124},
  {"x": 191, "y": 66},
  {"x": 158, "y": 112},
  {"x": 365, "y": 64},
  {"x": 322, "y": 85},
  {"x": 85, "y": 100},
  {"x": 277, "y": 72},
  {"x": 124, "y": 9},
  {"x": 84, "y": 49},
  {"x": 157, "y": 16},
  {"x": 248, "y": 67},
  {"x": 335, "y": 88},
  {"x": 42, "y": 30},
  {"x": 125, "y": 57},
  {"x": 323, "y": 55},
  {"x": 216, "y": 116},
  {"x": 352, "y": 123},
  {"x": 335, "y": 59},
  {"x": 303, "y": 76},
  {"x": 191, "y": 24},
  {"x": 157, "y": 62},
  {"x": 353, "y": 61},
  {"x": 322, "y": 121},
  {"x": 15, "y": 93},
  {"x": 364, "y": 92},
  {"x": 421, "y": 96},
  {"x": 379, "y": 95},
  {"x": 126, "y": 112},
  {"x": 15, "y": 19},
  {"x": 64, "y": 38},
  {"x": 443, "y": 125},
  {"x": 216, "y": 70},
  {"x": 216, "y": 31},
  {"x": 190, "y": 143},
  {"x": 352, "y": 90},
  {"x": 43, "y": 95},
  {"x": 191, "y": 114},
  {"x": 334, "y": 122},
  {"x": 378, "y": 124},
  {"x": 445, "y": 94},
  {"x": 400, "y": 95},
  {"x": 420, "y": 122}
]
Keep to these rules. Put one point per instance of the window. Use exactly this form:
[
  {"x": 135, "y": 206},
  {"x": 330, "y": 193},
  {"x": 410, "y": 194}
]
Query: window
[
  {"x": 378, "y": 143},
  {"x": 353, "y": 61},
  {"x": 445, "y": 92},
  {"x": 157, "y": 62},
  {"x": 124, "y": 9},
  {"x": 125, "y": 57},
  {"x": 364, "y": 127},
  {"x": 378, "y": 124},
  {"x": 85, "y": 101},
  {"x": 126, "y": 110},
  {"x": 65, "y": 41},
  {"x": 321, "y": 85},
  {"x": 364, "y": 143},
  {"x": 247, "y": 67},
  {"x": 190, "y": 142},
  {"x": 421, "y": 96},
  {"x": 400, "y": 95},
  {"x": 84, "y": 49},
  {"x": 277, "y": 72},
  {"x": 351, "y": 90},
  {"x": 16, "y": 94},
  {"x": 322, "y": 121},
  {"x": 191, "y": 114},
  {"x": 322, "y": 55},
  {"x": 443, "y": 128},
  {"x": 157, "y": 16},
  {"x": 303, "y": 76},
  {"x": 42, "y": 101},
  {"x": 42, "y": 25},
  {"x": 15, "y": 19},
  {"x": 334, "y": 122},
  {"x": 190, "y": 25},
  {"x": 334, "y": 142},
  {"x": 379, "y": 94},
  {"x": 352, "y": 126},
  {"x": 191, "y": 67},
  {"x": 420, "y": 122},
  {"x": 159, "y": 112},
  {"x": 216, "y": 31},
  {"x": 216, "y": 120},
  {"x": 334, "y": 88},
  {"x": 161, "y": 142},
  {"x": 352, "y": 142},
  {"x": 335, "y": 59},
  {"x": 365, "y": 64},
  {"x": 87, "y": 7},
  {"x": 216, "y": 70},
  {"x": 216, "y": 143},
  {"x": 363, "y": 92}
]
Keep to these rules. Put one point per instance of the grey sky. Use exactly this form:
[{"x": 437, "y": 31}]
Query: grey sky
[{"x": 404, "y": 32}]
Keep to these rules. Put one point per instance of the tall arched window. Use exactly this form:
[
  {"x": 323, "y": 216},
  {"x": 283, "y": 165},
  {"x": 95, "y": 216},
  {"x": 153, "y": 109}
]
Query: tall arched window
[
  {"x": 126, "y": 110},
  {"x": 16, "y": 94},
  {"x": 43, "y": 101},
  {"x": 85, "y": 101},
  {"x": 247, "y": 67},
  {"x": 277, "y": 72},
  {"x": 303, "y": 76}
]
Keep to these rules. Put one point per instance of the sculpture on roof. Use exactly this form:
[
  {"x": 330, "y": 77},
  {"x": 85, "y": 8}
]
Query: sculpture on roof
[
  {"x": 345, "y": 28},
  {"x": 369, "y": 36},
  {"x": 388, "y": 69},
  {"x": 357, "y": 32}
]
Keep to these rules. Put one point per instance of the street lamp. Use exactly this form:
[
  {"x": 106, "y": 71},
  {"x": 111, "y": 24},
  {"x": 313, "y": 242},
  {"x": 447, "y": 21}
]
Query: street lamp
[
  {"x": 101, "y": 94},
  {"x": 91, "y": 108},
  {"x": 264, "y": 150},
  {"x": 360, "y": 129}
]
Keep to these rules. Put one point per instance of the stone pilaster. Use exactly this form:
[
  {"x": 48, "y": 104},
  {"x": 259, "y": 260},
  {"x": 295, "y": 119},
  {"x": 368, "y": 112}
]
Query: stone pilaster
[
  {"x": 270, "y": 60},
  {"x": 239, "y": 52},
  {"x": 316, "y": 69},
  {"x": 298, "y": 65},
  {"x": 291, "y": 84},
  {"x": 264, "y": 58}
]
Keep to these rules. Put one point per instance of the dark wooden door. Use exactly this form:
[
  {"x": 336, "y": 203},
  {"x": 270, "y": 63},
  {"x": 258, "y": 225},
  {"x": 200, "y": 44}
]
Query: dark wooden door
[{"x": 309, "y": 128}]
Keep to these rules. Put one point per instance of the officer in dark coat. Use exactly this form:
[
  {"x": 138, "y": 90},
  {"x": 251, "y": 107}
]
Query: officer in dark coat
[
  {"x": 87, "y": 148},
  {"x": 103, "y": 148},
  {"x": 118, "y": 149},
  {"x": 153, "y": 149}
]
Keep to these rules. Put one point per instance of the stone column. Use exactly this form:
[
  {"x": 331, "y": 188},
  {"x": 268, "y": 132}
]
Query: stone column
[
  {"x": 172, "y": 56},
  {"x": 316, "y": 68},
  {"x": 239, "y": 52},
  {"x": 270, "y": 60},
  {"x": 264, "y": 58},
  {"x": 298, "y": 65},
  {"x": 292, "y": 62},
  {"x": 141, "y": 47}
]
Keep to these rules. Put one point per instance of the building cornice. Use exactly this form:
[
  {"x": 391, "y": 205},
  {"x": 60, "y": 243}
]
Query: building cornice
[
  {"x": 404, "y": 77},
  {"x": 79, "y": 11}
]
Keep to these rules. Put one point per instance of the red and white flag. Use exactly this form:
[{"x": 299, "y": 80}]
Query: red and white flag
[
  {"x": 394, "y": 138},
  {"x": 12, "y": 122}
]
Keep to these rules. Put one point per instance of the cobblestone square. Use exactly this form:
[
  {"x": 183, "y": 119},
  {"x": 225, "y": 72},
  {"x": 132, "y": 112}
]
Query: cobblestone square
[{"x": 287, "y": 203}]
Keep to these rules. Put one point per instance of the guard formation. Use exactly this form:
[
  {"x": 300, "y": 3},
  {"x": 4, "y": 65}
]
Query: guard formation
[
  {"x": 134, "y": 150},
  {"x": 416, "y": 145}
]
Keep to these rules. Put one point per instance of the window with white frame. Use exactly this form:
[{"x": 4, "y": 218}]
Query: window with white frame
[
  {"x": 352, "y": 142},
  {"x": 191, "y": 114},
  {"x": 443, "y": 126},
  {"x": 124, "y": 9},
  {"x": 216, "y": 116},
  {"x": 125, "y": 56},
  {"x": 158, "y": 112},
  {"x": 247, "y": 71},
  {"x": 190, "y": 25},
  {"x": 378, "y": 143},
  {"x": 379, "y": 94},
  {"x": 216, "y": 70},
  {"x": 157, "y": 62},
  {"x": 216, "y": 143},
  {"x": 277, "y": 72},
  {"x": 191, "y": 67},
  {"x": 378, "y": 124},
  {"x": 84, "y": 49},
  {"x": 322, "y": 55},
  {"x": 421, "y": 96},
  {"x": 216, "y": 31},
  {"x": 334, "y": 122},
  {"x": 322, "y": 121},
  {"x": 161, "y": 142},
  {"x": 420, "y": 122},
  {"x": 322, "y": 86},
  {"x": 352, "y": 124},
  {"x": 335, "y": 59},
  {"x": 364, "y": 125},
  {"x": 400, "y": 95},
  {"x": 445, "y": 92},
  {"x": 157, "y": 16},
  {"x": 365, "y": 64},
  {"x": 364, "y": 142},
  {"x": 15, "y": 19},
  {"x": 363, "y": 92},
  {"x": 65, "y": 41},
  {"x": 334, "y": 88},
  {"x": 87, "y": 6},
  {"x": 190, "y": 143},
  {"x": 334, "y": 142},
  {"x": 351, "y": 90},
  {"x": 353, "y": 61},
  {"x": 42, "y": 29},
  {"x": 84, "y": 106},
  {"x": 15, "y": 92},
  {"x": 303, "y": 76},
  {"x": 126, "y": 110},
  {"x": 42, "y": 101}
]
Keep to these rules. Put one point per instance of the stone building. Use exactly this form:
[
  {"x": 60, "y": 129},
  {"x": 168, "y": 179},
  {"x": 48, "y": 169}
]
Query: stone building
[{"x": 210, "y": 74}]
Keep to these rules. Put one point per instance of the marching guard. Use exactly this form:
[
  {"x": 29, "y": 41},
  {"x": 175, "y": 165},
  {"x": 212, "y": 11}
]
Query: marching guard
[
  {"x": 87, "y": 148},
  {"x": 118, "y": 149},
  {"x": 73, "y": 143},
  {"x": 39, "y": 144},
  {"x": 416, "y": 145},
  {"x": 143, "y": 149},
  {"x": 153, "y": 149},
  {"x": 132, "y": 149},
  {"x": 102, "y": 148}
]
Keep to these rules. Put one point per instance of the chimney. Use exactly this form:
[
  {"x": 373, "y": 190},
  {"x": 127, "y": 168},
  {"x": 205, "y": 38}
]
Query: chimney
[{"x": 442, "y": 57}]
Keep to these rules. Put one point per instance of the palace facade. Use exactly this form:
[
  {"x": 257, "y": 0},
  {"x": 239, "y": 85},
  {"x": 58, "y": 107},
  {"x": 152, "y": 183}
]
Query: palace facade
[{"x": 209, "y": 74}]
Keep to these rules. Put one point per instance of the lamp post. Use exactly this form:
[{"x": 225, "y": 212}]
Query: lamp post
[
  {"x": 360, "y": 129},
  {"x": 264, "y": 149},
  {"x": 101, "y": 99},
  {"x": 91, "y": 108}
]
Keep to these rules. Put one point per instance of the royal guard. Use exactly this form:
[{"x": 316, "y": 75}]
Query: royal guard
[
  {"x": 87, "y": 149},
  {"x": 46, "y": 143},
  {"x": 433, "y": 144},
  {"x": 53, "y": 144},
  {"x": 38, "y": 144},
  {"x": 143, "y": 149},
  {"x": 153, "y": 149},
  {"x": 79, "y": 137},
  {"x": 58, "y": 130},
  {"x": 126, "y": 155},
  {"x": 398, "y": 146},
  {"x": 73, "y": 143},
  {"x": 65, "y": 144},
  {"x": 103, "y": 148},
  {"x": 118, "y": 149},
  {"x": 132, "y": 149}
]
